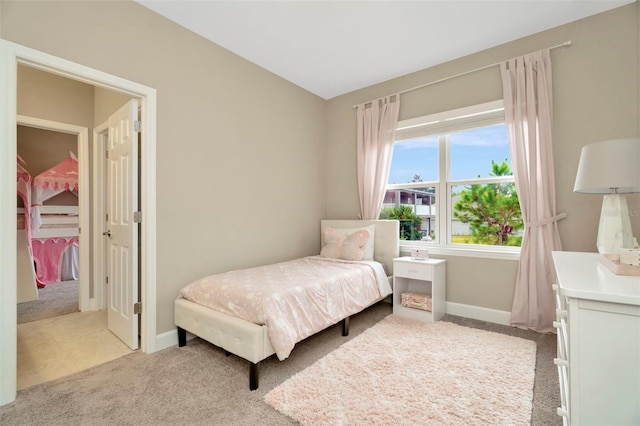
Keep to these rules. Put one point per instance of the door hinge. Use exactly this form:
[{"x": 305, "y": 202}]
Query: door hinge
[
  {"x": 137, "y": 217},
  {"x": 107, "y": 154},
  {"x": 107, "y": 279},
  {"x": 137, "y": 308},
  {"x": 106, "y": 217},
  {"x": 136, "y": 125}
]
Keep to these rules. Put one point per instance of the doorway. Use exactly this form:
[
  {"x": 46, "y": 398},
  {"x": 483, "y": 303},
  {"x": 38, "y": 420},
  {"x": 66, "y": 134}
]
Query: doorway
[
  {"x": 54, "y": 338},
  {"x": 82, "y": 138},
  {"x": 13, "y": 55}
]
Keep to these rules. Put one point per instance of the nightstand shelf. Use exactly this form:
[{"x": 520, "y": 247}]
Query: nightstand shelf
[{"x": 423, "y": 276}]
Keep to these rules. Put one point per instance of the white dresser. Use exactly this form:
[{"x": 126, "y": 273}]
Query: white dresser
[{"x": 598, "y": 322}]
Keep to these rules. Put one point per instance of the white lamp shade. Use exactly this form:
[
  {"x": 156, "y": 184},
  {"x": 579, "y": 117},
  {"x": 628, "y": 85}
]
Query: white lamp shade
[{"x": 608, "y": 165}]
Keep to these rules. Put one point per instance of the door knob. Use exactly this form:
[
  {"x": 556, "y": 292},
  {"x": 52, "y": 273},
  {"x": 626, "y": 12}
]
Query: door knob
[{"x": 107, "y": 233}]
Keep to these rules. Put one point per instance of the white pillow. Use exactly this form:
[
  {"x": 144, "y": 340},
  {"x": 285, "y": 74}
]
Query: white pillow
[{"x": 367, "y": 249}]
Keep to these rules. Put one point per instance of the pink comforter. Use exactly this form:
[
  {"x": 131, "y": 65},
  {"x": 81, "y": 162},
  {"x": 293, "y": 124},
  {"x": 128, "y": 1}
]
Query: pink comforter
[{"x": 294, "y": 299}]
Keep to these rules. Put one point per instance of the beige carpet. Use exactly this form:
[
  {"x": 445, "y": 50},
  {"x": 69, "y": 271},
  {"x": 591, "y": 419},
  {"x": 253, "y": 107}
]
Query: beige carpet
[
  {"x": 198, "y": 385},
  {"x": 405, "y": 372},
  {"x": 56, "y": 347},
  {"x": 53, "y": 300}
]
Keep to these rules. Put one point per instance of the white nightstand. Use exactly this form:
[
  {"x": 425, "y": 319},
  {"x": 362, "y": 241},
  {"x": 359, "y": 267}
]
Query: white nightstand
[{"x": 424, "y": 276}]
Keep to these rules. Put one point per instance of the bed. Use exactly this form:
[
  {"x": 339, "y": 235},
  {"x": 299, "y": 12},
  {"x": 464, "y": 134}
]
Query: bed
[
  {"x": 255, "y": 341},
  {"x": 55, "y": 229},
  {"x": 55, "y": 245}
]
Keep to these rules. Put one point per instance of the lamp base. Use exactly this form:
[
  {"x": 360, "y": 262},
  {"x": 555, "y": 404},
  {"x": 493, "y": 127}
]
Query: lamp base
[{"x": 614, "y": 231}]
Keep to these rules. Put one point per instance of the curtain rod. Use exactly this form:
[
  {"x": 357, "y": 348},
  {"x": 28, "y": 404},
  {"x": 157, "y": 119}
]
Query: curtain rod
[{"x": 566, "y": 43}]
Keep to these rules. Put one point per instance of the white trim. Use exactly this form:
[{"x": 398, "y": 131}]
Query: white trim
[
  {"x": 11, "y": 55},
  {"x": 441, "y": 125},
  {"x": 486, "y": 114},
  {"x": 148, "y": 225},
  {"x": 99, "y": 274},
  {"x": 479, "y": 313},
  {"x": 84, "y": 197},
  {"x": 8, "y": 188},
  {"x": 491, "y": 252},
  {"x": 168, "y": 339}
]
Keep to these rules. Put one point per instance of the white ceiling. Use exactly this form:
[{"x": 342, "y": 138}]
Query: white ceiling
[{"x": 334, "y": 47}]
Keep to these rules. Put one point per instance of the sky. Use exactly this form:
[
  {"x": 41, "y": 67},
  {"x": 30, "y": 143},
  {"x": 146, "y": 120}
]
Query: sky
[{"x": 471, "y": 155}]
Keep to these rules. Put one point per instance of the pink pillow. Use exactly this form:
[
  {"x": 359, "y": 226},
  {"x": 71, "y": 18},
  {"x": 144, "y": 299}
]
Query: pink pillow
[{"x": 344, "y": 246}]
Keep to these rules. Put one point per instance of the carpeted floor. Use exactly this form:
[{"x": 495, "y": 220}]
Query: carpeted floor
[
  {"x": 53, "y": 300},
  {"x": 59, "y": 346},
  {"x": 199, "y": 385},
  {"x": 401, "y": 371}
]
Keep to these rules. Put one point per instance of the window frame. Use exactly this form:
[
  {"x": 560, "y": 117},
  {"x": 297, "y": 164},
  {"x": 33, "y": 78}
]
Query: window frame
[{"x": 442, "y": 125}]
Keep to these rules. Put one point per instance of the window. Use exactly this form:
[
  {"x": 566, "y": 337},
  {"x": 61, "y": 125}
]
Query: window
[{"x": 451, "y": 183}]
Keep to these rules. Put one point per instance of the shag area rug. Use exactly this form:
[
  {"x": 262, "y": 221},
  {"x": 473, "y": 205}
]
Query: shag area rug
[{"x": 405, "y": 372}]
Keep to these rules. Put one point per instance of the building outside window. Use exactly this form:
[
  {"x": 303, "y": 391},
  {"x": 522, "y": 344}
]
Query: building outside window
[{"x": 451, "y": 182}]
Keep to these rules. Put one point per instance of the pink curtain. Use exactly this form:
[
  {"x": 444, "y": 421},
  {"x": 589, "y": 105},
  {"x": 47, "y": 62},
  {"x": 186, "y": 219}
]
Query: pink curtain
[
  {"x": 526, "y": 83},
  {"x": 376, "y": 134}
]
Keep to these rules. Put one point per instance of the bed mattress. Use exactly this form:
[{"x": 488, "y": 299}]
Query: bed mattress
[{"x": 293, "y": 299}]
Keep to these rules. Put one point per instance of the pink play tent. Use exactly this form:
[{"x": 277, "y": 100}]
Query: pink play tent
[{"x": 48, "y": 252}]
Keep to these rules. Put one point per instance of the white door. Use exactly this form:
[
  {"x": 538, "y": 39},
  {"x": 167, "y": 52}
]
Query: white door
[{"x": 122, "y": 229}]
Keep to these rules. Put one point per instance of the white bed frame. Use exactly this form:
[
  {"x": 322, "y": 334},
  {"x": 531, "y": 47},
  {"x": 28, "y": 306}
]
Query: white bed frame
[
  {"x": 251, "y": 341},
  {"x": 58, "y": 221}
]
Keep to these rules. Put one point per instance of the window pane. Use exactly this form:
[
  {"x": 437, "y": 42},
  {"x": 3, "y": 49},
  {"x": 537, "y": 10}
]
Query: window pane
[
  {"x": 415, "y": 160},
  {"x": 415, "y": 208},
  {"x": 486, "y": 214},
  {"x": 472, "y": 151}
]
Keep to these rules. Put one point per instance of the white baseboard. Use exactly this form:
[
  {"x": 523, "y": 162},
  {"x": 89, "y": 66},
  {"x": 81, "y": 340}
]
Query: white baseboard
[
  {"x": 169, "y": 339},
  {"x": 479, "y": 313}
]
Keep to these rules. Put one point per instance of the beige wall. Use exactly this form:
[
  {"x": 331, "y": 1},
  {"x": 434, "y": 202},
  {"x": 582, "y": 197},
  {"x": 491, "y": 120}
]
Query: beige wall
[
  {"x": 595, "y": 97},
  {"x": 240, "y": 151},
  {"x": 247, "y": 161},
  {"x": 106, "y": 102},
  {"x": 55, "y": 98}
]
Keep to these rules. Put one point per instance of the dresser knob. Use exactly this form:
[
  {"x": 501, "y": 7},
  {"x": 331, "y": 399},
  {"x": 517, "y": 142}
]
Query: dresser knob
[
  {"x": 561, "y": 313},
  {"x": 561, "y": 362}
]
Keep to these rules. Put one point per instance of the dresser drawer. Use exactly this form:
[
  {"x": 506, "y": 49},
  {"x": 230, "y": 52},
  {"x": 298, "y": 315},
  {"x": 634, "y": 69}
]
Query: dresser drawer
[
  {"x": 413, "y": 270},
  {"x": 563, "y": 380},
  {"x": 563, "y": 338}
]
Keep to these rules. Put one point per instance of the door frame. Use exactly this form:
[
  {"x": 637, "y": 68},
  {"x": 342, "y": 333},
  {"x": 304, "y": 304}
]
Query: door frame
[
  {"x": 12, "y": 54},
  {"x": 84, "y": 196},
  {"x": 100, "y": 134}
]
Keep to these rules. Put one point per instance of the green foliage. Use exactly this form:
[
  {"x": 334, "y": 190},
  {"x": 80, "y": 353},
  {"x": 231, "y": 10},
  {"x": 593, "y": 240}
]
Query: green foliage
[
  {"x": 492, "y": 210},
  {"x": 409, "y": 222}
]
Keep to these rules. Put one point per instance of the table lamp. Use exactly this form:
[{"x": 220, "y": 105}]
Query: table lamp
[{"x": 613, "y": 168}]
